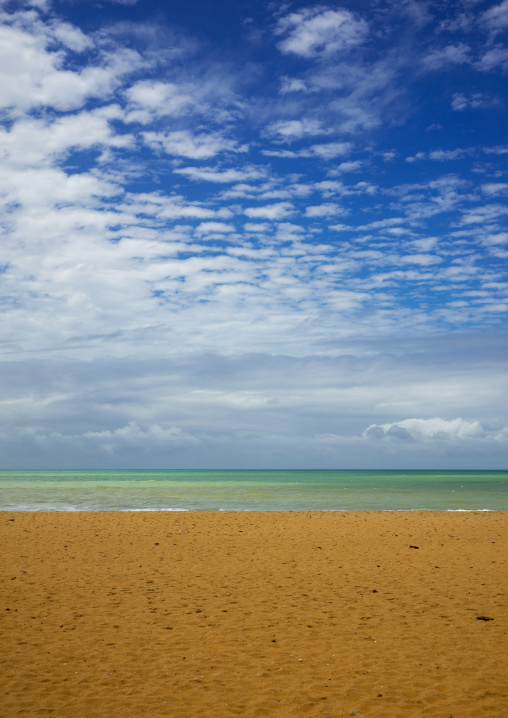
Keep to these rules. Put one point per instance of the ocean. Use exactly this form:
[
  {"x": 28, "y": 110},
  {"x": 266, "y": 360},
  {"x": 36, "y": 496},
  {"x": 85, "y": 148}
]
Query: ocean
[{"x": 253, "y": 490}]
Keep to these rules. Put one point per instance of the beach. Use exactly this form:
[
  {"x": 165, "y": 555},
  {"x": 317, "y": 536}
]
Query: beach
[{"x": 254, "y": 613}]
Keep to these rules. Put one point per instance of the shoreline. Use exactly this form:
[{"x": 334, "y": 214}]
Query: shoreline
[
  {"x": 251, "y": 613},
  {"x": 253, "y": 511}
]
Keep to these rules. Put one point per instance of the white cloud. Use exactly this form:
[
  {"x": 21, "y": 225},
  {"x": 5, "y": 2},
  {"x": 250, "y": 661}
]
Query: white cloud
[
  {"x": 351, "y": 166},
  {"x": 425, "y": 244},
  {"x": 44, "y": 5},
  {"x": 329, "y": 209},
  {"x": 289, "y": 232},
  {"x": 364, "y": 188},
  {"x": 292, "y": 84},
  {"x": 475, "y": 100},
  {"x": 496, "y": 17},
  {"x": 256, "y": 227},
  {"x": 495, "y": 57},
  {"x": 494, "y": 189},
  {"x": 427, "y": 430},
  {"x": 484, "y": 214},
  {"x": 290, "y": 130},
  {"x": 325, "y": 151},
  {"x": 416, "y": 157},
  {"x": 31, "y": 75},
  {"x": 276, "y": 211},
  {"x": 285, "y": 154},
  {"x": 244, "y": 191},
  {"x": 47, "y": 189},
  {"x": 499, "y": 150},
  {"x": 183, "y": 143},
  {"x": 214, "y": 228},
  {"x": 443, "y": 155},
  {"x": 330, "y": 187},
  {"x": 124, "y": 2},
  {"x": 331, "y": 150},
  {"x": 71, "y": 36},
  {"x": 319, "y": 31},
  {"x": 440, "y": 155},
  {"x": 132, "y": 434},
  {"x": 209, "y": 174},
  {"x": 160, "y": 206},
  {"x": 382, "y": 223},
  {"x": 450, "y": 55},
  {"x": 33, "y": 141},
  {"x": 424, "y": 260},
  {"x": 150, "y": 97},
  {"x": 496, "y": 238}
]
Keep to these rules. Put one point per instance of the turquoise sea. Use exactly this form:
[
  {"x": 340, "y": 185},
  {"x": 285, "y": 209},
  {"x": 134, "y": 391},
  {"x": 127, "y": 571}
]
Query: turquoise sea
[{"x": 253, "y": 490}]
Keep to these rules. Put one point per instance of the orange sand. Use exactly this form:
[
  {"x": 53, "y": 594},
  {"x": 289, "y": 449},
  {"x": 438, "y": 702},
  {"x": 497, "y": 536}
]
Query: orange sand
[{"x": 254, "y": 614}]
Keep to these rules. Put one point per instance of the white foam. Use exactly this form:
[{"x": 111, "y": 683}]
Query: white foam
[{"x": 153, "y": 509}]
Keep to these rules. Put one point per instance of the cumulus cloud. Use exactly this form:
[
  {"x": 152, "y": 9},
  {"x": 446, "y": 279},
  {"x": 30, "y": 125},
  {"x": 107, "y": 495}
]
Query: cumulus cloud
[
  {"x": 440, "y": 155},
  {"x": 71, "y": 36},
  {"x": 276, "y": 211},
  {"x": 496, "y": 238},
  {"x": 324, "y": 151},
  {"x": 427, "y": 430},
  {"x": 483, "y": 214},
  {"x": 124, "y": 2},
  {"x": 494, "y": 189},
  {"x": 496, "y": 17},
  {"x": 209, "y": 174},
  {"x": 351, "y": 166},
  {"x": 331, "y": 150},
  {"x": 133, "y": 434},
  {"x": 167, "y": 207},
  {"x": 290, "y": 130},
  {"x": 424, "y": 260},
  {"x": 328, "y": 209},
  {"x": 30, "y": 142},
  {"x": 496, "y": 150},
  {"x": 461, "y": 102},
  {"x": 292, "y": 84},
  {"x": 256, "y": 227},
  {"x": 33, "y": 75},
  {"x": 450, "y": 55},
  {"x": 320, "y": 31},
  {"x": 151, "y": 97},
  {"x": 214, "y": 228},
  {"x": 183, "y": 143},
  {"x": 493, "y": 58}
]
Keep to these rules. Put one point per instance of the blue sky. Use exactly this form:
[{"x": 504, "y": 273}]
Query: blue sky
[{"x": 254, "y": 235}]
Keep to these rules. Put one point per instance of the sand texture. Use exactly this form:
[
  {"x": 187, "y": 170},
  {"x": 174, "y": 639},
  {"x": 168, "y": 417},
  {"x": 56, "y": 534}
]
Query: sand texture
[{"x": 207, "y": 614}]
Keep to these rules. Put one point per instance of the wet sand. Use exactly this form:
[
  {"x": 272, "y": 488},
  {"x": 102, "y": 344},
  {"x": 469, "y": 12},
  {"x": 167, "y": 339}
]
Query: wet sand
[{"x": 254, "y": 614}]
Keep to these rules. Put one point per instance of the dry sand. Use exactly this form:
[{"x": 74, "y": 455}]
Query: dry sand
[{"x": 254, "y": 614}]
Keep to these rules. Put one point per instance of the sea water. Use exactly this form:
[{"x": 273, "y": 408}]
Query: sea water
[{"x": 253, "y": 490}]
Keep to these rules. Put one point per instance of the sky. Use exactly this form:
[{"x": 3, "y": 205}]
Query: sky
[{"x": 254, "y": 235}]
